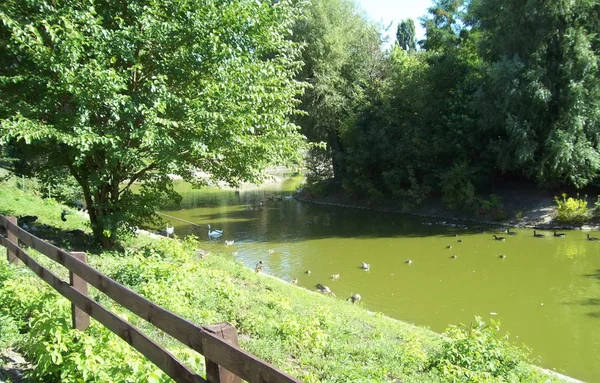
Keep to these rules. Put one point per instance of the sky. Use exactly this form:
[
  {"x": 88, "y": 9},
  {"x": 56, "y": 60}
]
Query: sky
[{"x": 392, "y": 11}]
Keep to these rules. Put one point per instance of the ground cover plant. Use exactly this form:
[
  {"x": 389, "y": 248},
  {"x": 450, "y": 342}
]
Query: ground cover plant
[{"x": 310, "y": 336}]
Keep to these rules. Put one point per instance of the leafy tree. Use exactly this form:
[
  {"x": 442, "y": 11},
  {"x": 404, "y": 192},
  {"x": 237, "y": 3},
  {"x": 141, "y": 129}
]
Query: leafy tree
[
  {"x": 405, "y": 35},
  {"x": 124, "y": 92},
  {"x": 341, "y": 56},
  {"x": 541, "y": 97}
]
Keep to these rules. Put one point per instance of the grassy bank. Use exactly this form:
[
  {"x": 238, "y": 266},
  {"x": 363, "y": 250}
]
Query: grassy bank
[{"x": 313, "y": 337}]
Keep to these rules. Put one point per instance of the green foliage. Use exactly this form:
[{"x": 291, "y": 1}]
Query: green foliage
[
  {"x": 405, "y": 35},
  {"x": 493, "y": 206},
  {"x": 571, "y": 210},
  {"x": 458, "y": 191},
  {"x": 121, "y": 92},
  {"x": 478, "y": 353},
  {"x": 340, "y": 63}
]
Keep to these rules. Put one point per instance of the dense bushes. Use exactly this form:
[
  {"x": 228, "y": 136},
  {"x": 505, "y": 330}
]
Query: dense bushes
[
  {"x": 478, "y": 353},
  {"x": 571, "y": 210}
]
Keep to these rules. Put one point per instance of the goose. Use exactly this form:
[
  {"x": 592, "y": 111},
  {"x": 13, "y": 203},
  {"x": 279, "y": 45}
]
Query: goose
[
  {"x": 308, "y": 272},
  {"x": 459, "y": 241},
  {"x": 499, "y": 238},
  {"x": 502, "y": 256},
  {"x": 508, "y": 232},
  {"x": 408, "y": 261},
  {"x": 335, "y": 276},
  {"x": 214, "y": 233},
  {"x": 229, "y": 243},
  {"x": 449, "y": 247},
  {"x": 170, "y": 230},
  {"x": 63, "y": 214},
  {"x": 454, "y": 256},
  {"x": 592, "y": 238},
  {"x": 294, "y": 281},
  {"x": 354, "y": 298},
  {"x": 561, "y": 235},
  {"x": 538, "y": 235},
  {"x": 365, "y": 266}
]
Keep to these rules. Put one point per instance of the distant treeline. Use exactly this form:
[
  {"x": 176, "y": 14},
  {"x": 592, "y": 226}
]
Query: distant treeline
[{"x": 497, "y": 88}]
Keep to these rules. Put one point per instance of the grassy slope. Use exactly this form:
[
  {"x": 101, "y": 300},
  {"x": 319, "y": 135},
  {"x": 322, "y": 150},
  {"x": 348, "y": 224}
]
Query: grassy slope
[{"x": 312, "y": 337}]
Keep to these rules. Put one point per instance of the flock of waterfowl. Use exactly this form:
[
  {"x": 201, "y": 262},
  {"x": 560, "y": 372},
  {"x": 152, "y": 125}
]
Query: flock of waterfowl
[{"x": 365, "y": 266}]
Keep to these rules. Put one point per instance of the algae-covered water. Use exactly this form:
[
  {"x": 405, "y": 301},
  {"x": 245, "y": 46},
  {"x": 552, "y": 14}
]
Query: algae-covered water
[{"x": 545, "y": 292}]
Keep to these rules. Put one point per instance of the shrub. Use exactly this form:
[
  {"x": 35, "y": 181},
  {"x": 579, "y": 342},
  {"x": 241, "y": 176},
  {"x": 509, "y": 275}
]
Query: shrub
[
  {"x": 458, "y": 191},
  {"x": 571, "y": 210},
  {"x": 494, "y": 207},
  {"x": 477, "y": 353}
]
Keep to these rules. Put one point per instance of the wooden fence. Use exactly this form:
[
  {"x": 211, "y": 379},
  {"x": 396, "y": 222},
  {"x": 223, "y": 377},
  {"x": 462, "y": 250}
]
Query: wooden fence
[{"x": 225, "y": 361}]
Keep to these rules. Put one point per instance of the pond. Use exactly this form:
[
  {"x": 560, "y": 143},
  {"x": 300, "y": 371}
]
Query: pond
[{"x": 545, "y": 291}]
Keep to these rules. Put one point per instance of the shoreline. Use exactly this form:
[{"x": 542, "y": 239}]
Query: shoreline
[{"x": 530, "y": 223}]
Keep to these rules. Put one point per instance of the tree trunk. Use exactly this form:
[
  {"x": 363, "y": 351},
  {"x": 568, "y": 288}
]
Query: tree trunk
[
  {"x": 336, "y": 152},
  {"x": 98, "y": 214}
]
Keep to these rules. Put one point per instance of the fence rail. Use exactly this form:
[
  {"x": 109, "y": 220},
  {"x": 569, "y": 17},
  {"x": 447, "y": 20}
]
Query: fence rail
[{"x": 225, "y": 361}]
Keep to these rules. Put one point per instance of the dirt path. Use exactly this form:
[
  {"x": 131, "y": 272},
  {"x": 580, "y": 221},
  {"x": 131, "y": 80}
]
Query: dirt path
[{"x": 13, "y": 367}]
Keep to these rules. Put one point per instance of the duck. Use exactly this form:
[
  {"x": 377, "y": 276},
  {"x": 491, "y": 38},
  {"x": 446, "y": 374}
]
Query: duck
[
  {"x": 459, "y": 240},
  {"x": 324, "y": 289},
  {"x": 502, "y": 256},
  {"x": 454, "y": 256},
  {"x": 499, "y": 238},
  {"x": 229, "y": 243},
  {"x": 308, "y": 272},
  {"x": 354, "y": 298},
  {"x": 561, "y": 235},
  {"x": 270, "y": 251},
  {"x": 170, "y": 230},
  {"x": 214, "y": 233},
  {"x": 294, "y": 281},
  {"x": 63, "y": 215},
  {"x": 258, "y": 268},
  {"x": 335, "y": 276},
  {"x": 408, "y": 261},
  {"x": 202, "y": 253},
  {"x": 592, "y": 238},
  {"x": 508, "y": 232},
  {"x": 365, "y": 266},
  {"x": 538, "y": 235},
  {"x": 449, "y": 247}
]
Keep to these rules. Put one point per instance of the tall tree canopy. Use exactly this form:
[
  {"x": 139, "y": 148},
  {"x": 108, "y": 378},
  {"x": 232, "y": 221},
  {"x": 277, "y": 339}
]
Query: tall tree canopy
[
  {"x": 542, "y": 92},
  {"x": 405, "y": 35},
  {"x": 120, "y": 92},
  {"x": 341, "y": 61}
]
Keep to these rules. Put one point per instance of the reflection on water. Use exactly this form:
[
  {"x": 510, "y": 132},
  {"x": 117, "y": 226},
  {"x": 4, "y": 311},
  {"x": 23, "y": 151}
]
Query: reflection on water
[{"x": 545, "y": 292}]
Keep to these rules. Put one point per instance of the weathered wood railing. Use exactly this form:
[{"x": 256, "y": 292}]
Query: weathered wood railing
[{"x": 225, "y": 361}]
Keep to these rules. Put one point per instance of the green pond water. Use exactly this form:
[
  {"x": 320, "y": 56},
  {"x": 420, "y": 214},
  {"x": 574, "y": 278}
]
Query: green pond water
[{"x": 545, "y": 292}]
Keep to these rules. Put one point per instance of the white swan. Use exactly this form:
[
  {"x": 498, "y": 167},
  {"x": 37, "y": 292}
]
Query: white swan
[
  {"x": 214, "y": 233},
  {"x": 170, "y": 230}
]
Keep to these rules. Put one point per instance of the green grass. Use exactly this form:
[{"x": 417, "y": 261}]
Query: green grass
[{"x": 312, "y": 337}]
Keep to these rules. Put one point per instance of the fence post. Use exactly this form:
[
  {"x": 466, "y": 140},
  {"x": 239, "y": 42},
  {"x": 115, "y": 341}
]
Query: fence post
[
  {"x": 12, "y": 257},
  {"x": 214, "y": 372},
  {"x": 81, "y": 320}
]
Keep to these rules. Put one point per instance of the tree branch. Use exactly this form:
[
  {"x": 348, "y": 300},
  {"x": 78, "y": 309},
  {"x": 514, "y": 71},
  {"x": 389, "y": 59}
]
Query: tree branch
[{"x": 137, "y": 175}]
